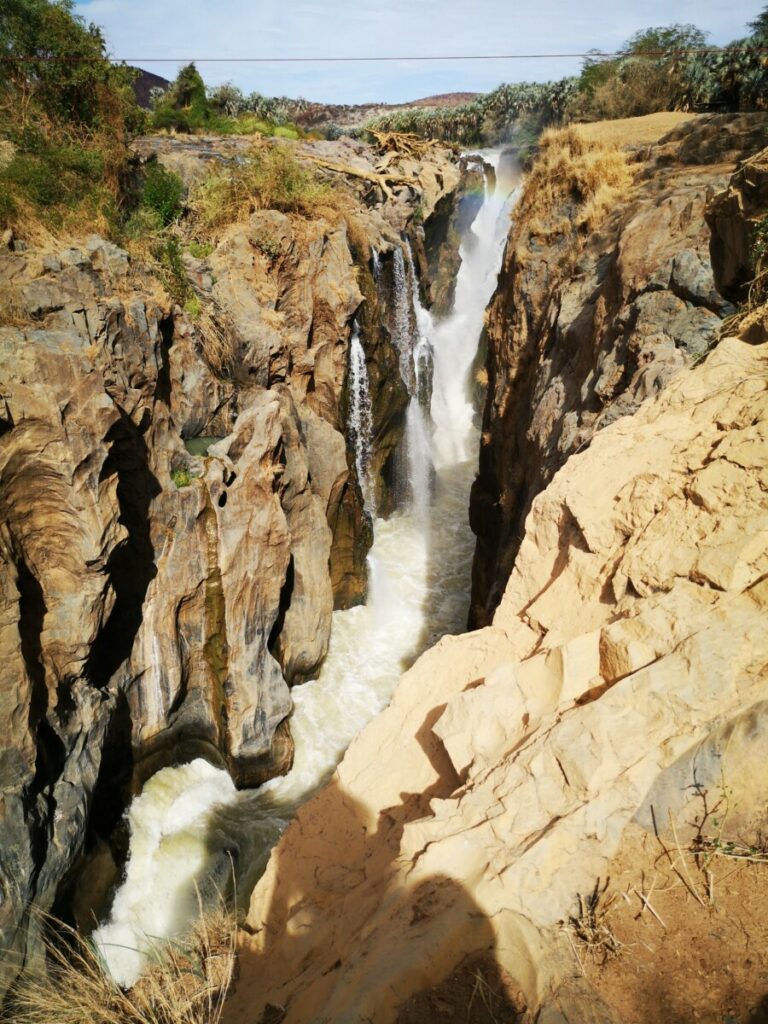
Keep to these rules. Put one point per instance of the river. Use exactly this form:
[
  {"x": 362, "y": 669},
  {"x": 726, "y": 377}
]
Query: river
[{"x": 191, "y": 831}]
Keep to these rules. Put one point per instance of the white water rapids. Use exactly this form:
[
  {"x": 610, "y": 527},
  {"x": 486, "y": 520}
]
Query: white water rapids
[{"x": 189, "y": 824}]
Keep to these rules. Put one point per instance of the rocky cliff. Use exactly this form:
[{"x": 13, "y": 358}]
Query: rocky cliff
[
  {"x": 454, "y": 868},
  {"x": 179, "y": 508},
  {"x": 585, "y": 325}
]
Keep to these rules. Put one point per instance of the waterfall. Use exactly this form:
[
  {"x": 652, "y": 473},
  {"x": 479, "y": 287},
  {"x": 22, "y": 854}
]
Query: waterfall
[
  {"x": 411, "y": 327},
  {"x": 360, "y": 424},
  {"x": 189, "y": 824},
  {"x": 402, "y": 332},
  {"x": 452, "y": 410}
]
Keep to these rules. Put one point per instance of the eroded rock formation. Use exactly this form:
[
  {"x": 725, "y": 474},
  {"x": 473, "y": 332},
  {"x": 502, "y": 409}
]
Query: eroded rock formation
[
  {"x": 157, "y": 604},
  {"x": 622, "y": 676}
]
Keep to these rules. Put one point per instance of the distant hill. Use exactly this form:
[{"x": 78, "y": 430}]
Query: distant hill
[
  {"x": 143, "y": 84},
  {"x": 444, "y": 99}
]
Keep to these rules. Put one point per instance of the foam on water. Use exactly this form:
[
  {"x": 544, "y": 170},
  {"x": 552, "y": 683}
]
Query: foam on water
[{"x": 189, "y": 827}]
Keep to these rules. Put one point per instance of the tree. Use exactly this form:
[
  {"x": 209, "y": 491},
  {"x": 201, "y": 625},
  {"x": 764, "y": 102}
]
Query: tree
[
  {"x": 185, "y": 105},
  {"x": 227, "y": 99},
  {"x": 665, "y": 39},
  {"x": 760, "y": 28},
  {"x": 58, "y": 63}
]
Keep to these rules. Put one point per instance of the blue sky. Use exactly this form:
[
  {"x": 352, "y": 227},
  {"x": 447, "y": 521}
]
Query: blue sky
[{"x": 140, "y": 29}]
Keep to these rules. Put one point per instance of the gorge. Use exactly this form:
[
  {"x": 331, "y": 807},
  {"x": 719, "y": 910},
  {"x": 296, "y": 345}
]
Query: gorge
[
  {"x": 190, "y": 827},
  {"x": 237, "y": 572}
]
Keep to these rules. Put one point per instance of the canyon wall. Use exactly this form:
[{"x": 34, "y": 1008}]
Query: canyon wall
[
  {"x": 622, "y": 513},
  {"x": 179, "y": 508},
  {"x": 582, "y": 330}
]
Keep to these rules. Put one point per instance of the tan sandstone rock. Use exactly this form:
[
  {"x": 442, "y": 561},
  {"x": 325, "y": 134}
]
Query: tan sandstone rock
[{"x": 468, "y": 816}]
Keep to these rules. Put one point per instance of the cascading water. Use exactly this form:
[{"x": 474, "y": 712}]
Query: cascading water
[
  {"x": 189, "y": 826},
  {"x": 412, "y": 325},
  {"x": 360, "y": 425},
  {"x": 454, "y": 439}
]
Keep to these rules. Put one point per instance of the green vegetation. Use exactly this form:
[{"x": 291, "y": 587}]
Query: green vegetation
[
  {"x": 653, "y": 72},
  {"x": 63, "y": 122},
  {"x": 267, "y": 246},
  {"x": 182, "y": 477},
  {"x": 486, "y": 118},
  {"x": 193, "y": 307},
  {"x": 162, "y": 193},
  {"x": 188, "y": 106},
  {"x": 200, "y": 249},
  {"x": 172, "y": 272}
]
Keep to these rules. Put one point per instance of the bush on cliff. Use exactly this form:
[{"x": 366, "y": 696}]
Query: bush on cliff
[
  {"x": 162, "y": 193},
  {"x": 65, "y": 120},
  {"x": 570, "y": 172}
]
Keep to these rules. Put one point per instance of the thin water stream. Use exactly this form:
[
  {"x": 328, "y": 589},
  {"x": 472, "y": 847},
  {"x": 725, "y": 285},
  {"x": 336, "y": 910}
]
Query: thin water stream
[{"x": 190, "y": 825}]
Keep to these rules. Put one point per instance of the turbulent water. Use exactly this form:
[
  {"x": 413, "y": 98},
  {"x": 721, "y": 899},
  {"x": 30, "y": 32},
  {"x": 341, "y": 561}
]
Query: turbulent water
[{"x": 191, "y": 831}]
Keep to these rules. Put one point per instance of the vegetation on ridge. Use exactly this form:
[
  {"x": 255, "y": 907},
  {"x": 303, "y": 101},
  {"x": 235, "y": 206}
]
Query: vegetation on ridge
[
  {"x": 188, "y": 105},
  {"x": 64, "y": 123},
  {"x": 654, "y": 71}
]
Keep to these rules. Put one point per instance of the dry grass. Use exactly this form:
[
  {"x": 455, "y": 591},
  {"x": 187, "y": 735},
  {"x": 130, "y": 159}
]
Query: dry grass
[
  {"x": 632, "y": 131},
  {"x": 271, "y": 178},
  {"x": 573, "y": 183},
  {"x": 12, "y": 311},
  {"x": 217, "y": 342},
  {"x": 187, "y": 985}
]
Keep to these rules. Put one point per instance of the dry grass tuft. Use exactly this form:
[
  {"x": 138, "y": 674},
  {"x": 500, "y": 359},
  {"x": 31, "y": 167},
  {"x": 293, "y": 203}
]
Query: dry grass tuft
[
  {"x": 271, "y": 178},
  {"x": 572, "y": 185},
  {"x": 590, "y": 927},
  {"x": 217, "y": 342},
  {"x": 12, "y": 311},
  {"x": 187, "y": 985}
]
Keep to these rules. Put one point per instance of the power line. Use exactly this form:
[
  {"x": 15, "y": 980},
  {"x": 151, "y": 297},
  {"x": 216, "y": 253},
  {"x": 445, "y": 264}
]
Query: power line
[{"x": 596, "y": 55}]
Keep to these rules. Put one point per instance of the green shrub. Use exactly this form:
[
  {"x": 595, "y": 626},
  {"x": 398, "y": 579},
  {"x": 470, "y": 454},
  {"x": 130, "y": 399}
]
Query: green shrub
[
  {"x": 193, "y": 307},
  {"x": 84, "y": 88},
  {"x": 169, "y": 118},
  {"x": 142, "y": 222},
  {"x": 163, "y": 192},
  {"x": 181, "y": 477},
  {"x": 267, "y": 245},
  {"x": 200, "y": 249},
  {"x": 172, "y": 271},
  {"x": 286, "y": 132},
  {"x": 49, "y": 182}
]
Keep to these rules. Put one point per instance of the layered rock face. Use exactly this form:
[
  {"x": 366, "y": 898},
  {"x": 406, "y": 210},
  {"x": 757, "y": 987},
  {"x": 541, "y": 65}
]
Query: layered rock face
[
  {"x": 496, "y": 787},
  {"x": 157, "y": 604},
  {"x": 623, "y": 675},
  {"x": 581, "y": 332}
]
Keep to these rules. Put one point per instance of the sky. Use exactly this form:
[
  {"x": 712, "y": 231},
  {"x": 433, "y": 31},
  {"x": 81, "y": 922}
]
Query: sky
[{"x": 196, "y": 29}]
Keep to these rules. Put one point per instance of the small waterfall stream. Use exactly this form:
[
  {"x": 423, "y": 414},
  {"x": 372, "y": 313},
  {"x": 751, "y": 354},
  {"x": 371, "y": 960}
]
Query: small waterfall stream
[
  {"x": 189, "y": 825},
  {"x": 361, "y": 418}
]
